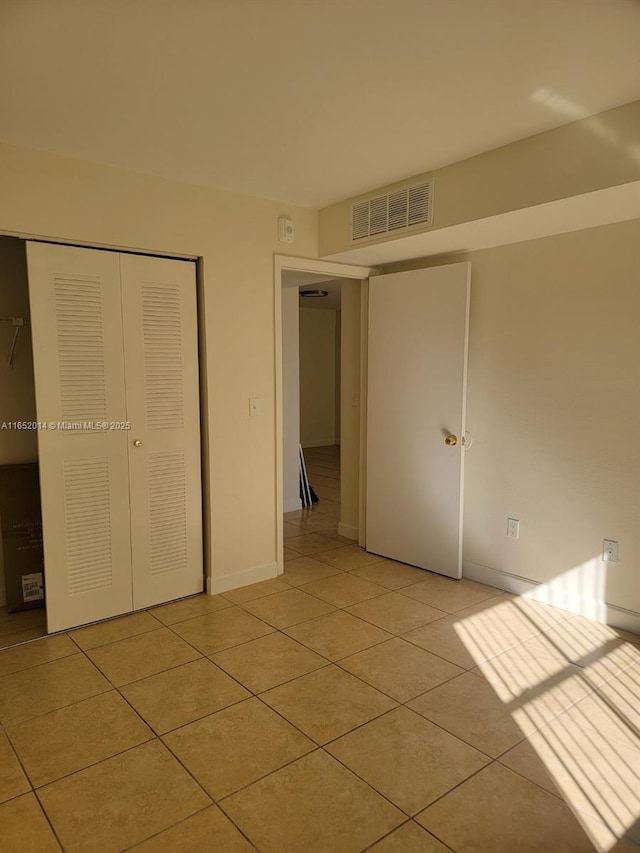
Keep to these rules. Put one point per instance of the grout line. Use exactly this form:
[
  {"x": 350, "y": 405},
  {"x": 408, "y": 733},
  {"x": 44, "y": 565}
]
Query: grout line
[
  {"x": 36, "y": 665},
  {"x": 166, "y": 828},
  {"x": 402, "y": 702},
  {"x": 437, "y": 837},
  {"x": 96, "y": 763},
  {"x": 119, "y": 639},
  {"x": 383, "y": 837},
  {"x": 333, "y": 577},
  {"x": 435, "y": 654},
  {"x": 368, "y": 784},
  {"x": 225, "y": 648},
  {"x": 313, "y": 748},
  {"x": 198, "y": 719},
  {"x": 48, "y": 820},
  {"x": 331, "y": 740},
  {"x": 147, "y": 675},
  {"x": 259, "y": 693},
  {"x": 21, "y": 765},
  {"x": 336, "y": 661},
  {"x": 456, "y": 786},
  {"x": 293, "y": 624},
  {"x": 413, "y": 821},
  {"x": 57, "y": 708}
]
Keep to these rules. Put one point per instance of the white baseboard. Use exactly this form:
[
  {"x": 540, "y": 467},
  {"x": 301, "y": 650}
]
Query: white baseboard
[
  {"x": 599, "y": 611},
  {"x": 224, "y": 583},
  {"x": 328, "y": 442},
  {"x": 501, "y": 580},
  {"x": 348, "y": 531},
  {"x": 292, "y": 506}
]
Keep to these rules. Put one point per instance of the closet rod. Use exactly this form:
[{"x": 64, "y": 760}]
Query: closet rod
[{"x": 18, "y": 323}]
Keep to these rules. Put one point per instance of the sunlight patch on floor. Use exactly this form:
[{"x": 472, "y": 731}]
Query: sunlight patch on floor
[{"x": 573, "y": 687}]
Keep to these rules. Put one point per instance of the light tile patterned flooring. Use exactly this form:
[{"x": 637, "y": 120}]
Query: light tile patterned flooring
[{"x": 352, "y": 704}]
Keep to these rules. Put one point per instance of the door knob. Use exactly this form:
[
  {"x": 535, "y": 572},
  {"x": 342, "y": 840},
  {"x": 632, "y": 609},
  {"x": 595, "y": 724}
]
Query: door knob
[
  {"x": 137, "y": 443},
  {"x": 451, "y": 440}
]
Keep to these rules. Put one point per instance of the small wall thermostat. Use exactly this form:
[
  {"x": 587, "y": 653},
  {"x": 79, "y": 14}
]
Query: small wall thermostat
[{"x": 285, "y": 229}]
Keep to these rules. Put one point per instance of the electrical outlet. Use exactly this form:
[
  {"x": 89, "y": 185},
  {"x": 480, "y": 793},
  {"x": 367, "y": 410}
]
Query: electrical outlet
[
  {"x": 513, "y": 528},
  {"x": 610, "y": 551}
]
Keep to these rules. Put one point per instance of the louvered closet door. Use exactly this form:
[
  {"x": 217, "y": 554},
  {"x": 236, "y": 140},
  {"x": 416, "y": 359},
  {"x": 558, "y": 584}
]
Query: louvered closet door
[
  {"x": 161, "y": 363},
  {"x": 79, "y": 377}
]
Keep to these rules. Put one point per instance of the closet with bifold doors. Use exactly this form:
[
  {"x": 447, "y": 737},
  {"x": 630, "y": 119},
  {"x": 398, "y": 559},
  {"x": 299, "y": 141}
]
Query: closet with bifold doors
[{"x": 117, "y": 399}]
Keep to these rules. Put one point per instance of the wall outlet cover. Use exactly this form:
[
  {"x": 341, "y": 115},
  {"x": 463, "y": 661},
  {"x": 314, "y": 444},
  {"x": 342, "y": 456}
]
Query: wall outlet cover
[{"x": 513, "y": 528}]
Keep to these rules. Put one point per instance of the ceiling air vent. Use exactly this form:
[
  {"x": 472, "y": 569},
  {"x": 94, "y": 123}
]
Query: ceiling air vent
[{"x": 396, "y": 211}]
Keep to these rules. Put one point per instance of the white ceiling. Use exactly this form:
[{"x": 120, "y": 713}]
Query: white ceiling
[{"x": 306, "y": 101}]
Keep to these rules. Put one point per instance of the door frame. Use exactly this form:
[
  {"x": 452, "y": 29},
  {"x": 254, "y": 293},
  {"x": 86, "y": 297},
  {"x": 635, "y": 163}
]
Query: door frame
[
  {"x": 202, "y": 369},
  {"x": 333, "y": 270}
]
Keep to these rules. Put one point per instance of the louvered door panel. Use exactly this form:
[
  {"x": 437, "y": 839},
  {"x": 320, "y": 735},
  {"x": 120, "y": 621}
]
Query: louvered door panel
[
  {"x": 163, "y": 365},
  {"x": 167, "y": 512},
  {"x": 161, "y": 357},
  {"x": 79, "y": 328},
  {"x": 87, "y": 498},
  {"x": 79, "y": 381}
]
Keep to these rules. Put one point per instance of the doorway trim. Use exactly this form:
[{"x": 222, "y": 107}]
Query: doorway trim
[{"x": 318, "y": 267}]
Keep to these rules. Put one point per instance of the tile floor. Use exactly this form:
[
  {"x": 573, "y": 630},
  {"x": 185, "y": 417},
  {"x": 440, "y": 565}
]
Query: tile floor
[{"x": 352, "y": 704}]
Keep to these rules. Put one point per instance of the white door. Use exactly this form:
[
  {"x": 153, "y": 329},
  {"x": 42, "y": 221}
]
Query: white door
[
  {"x": 84, "y": 476},
  {"x": 416, "y": 389},
  {"x": 161, "y": 365},
  {"x": 115, "y": 343}
]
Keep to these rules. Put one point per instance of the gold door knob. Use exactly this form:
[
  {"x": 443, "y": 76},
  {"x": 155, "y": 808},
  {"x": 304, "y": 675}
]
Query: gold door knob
[
  {"x": 451, "y": 440},
  {"x": 137, "y": 443}
]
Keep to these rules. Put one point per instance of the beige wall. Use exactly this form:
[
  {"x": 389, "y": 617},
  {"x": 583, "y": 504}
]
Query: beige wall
[
  {"x": 236, "y": 236},
  {"x": 580, "y": 157},
  {"x": 317, "y": 377},
  {"x": 554, "y": 409}
]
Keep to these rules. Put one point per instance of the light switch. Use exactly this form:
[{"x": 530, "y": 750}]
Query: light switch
[{"x": 253, "y": 406}]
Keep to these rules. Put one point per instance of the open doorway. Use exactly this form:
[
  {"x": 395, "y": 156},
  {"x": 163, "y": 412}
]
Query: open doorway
[
  {"x": 311, "y": 327},
  {"x": 320, "y": 400},
  {"x": 312, "y": 365}
]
